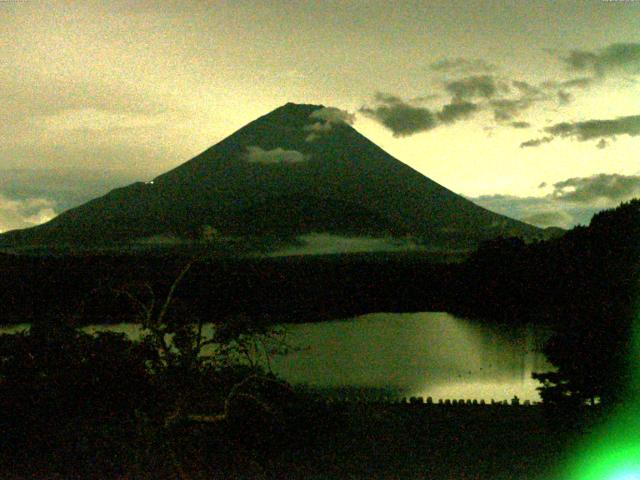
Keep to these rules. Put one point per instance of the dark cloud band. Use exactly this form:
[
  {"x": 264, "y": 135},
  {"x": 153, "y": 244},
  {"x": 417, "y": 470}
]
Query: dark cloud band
[
  {"x": 607, "y": 187},
  {"x": 536, "y": 142},
  {"x": 400, "y": 117},
  {"x": 457, "y": 111},
  {"x": 617, "y": 57},
  {"x": 404, "y": 118},
  {"x": 483, "y": 86},
  {"x": 572, "y": 201},
  {"x": 591, "y": 129}
]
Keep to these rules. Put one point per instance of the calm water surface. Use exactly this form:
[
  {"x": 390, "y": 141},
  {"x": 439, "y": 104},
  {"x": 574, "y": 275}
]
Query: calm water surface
[
  {"x": 422, "y": 354},
  {"x": 415, "y": 354}
]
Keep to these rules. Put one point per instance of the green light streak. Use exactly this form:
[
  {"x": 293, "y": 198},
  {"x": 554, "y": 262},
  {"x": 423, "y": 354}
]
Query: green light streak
[{"x": 613, "y": 452}]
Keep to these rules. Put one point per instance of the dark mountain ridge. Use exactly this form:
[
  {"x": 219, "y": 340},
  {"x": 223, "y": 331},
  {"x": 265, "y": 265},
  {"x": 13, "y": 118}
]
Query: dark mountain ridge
[{"x": 290, "y": 172}]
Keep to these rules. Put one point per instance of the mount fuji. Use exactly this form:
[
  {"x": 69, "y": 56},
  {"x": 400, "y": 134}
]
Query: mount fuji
[{"x": 299, "y": 171}]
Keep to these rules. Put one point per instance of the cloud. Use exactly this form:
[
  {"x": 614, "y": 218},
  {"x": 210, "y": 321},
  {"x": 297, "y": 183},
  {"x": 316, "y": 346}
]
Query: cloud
[
  {"x": 389, "y": 98},
  {"x": 474, "y": 86},
  {"x": 328, "y": 116},
  {"x": 456, "y": 111},
  {"x": 63, "y": 187},
  {"x": 603, "y": 188},
  {"x": 404, "y": 118},
  {"x": 317, "y": 129},
  {"x": 400, "y": 117},
  {"x": 333, "y": 115},
  {"x": 24, "y": 213},
  {"x": 551, "y": 218},
  {"x": 545, "y": 211},
  {"x": 564, "y": 97},
  {"x": 274, "y": 157},
  {"x": 536, "y": 142},
  {"x": 506, "y": 109},
  {"x": 581, "y": 60},
  {"x": 526, "y": 89},
  {"x": 461, "y": 65},
  {"x": 571, "y": 202},
  {"x": 590, "y": 129},
  {"x": 540, "y": 211},
  {"x": 561, "y": 90},
  {"x": 583, "y": 82},
  {"x": 617, "y": 57},
  {"x": 425, "y": 98}
]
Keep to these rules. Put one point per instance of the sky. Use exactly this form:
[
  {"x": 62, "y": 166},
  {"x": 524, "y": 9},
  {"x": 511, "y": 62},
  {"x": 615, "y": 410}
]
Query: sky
[{"x": 531, "y": 109}]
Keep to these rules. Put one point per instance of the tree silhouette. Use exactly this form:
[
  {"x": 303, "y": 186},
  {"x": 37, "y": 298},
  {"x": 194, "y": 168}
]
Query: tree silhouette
[
  {"x": 66, "y": 396},
  {"x": 592, "y": 345}
]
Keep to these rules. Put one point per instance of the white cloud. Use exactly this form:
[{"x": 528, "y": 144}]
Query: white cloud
[
  {"x": 540, "y": 211},
  {"x": 62, "y": 187},
  {"x": 603, "y": 189},
  {"x": 328, "y": 116},
  {"x": 24, "y": 213},
  {"x": 318, "y": 127},
  {"x": 316, "y": 130},
  {"x": 571, "y": 202},
  {"x": 274, "y": 157},
  {"x": 333, "y": 115}
]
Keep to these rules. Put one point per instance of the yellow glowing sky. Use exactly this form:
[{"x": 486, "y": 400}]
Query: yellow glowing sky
[{"x": 128, "y": 90}]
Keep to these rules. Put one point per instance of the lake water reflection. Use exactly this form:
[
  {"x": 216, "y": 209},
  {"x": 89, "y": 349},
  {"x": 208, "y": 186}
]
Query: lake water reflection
[
  {"x": 420, "y": 354},
  {"x": 414, "y": 354}
]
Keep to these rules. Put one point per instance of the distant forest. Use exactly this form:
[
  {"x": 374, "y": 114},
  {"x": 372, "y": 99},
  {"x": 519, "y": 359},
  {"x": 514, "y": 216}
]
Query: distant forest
[
  {"x": 505, "y": 280},
  {"x": 95, "y": 289}
]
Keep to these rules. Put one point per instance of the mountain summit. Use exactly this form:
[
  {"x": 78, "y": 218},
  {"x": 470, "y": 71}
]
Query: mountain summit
[{"x": 298, "y": 170}]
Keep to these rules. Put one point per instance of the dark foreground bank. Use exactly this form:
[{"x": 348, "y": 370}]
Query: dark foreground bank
[
  {"x": 336, "y": 441},
  {"x": 369, "y": 441},
  {"x": 80, "y": 406}
]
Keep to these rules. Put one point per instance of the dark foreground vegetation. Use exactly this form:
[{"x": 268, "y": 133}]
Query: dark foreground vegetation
[
  {"x": 76, "y": 406},
  {"x": 182, "y": 405}
]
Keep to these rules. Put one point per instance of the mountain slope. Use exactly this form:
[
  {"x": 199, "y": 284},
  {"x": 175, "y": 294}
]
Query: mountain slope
[{"x": 295, "y": 170}]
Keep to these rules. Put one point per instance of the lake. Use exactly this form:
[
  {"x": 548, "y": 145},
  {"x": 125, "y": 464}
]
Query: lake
[{"x": 411, "y": 354}]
